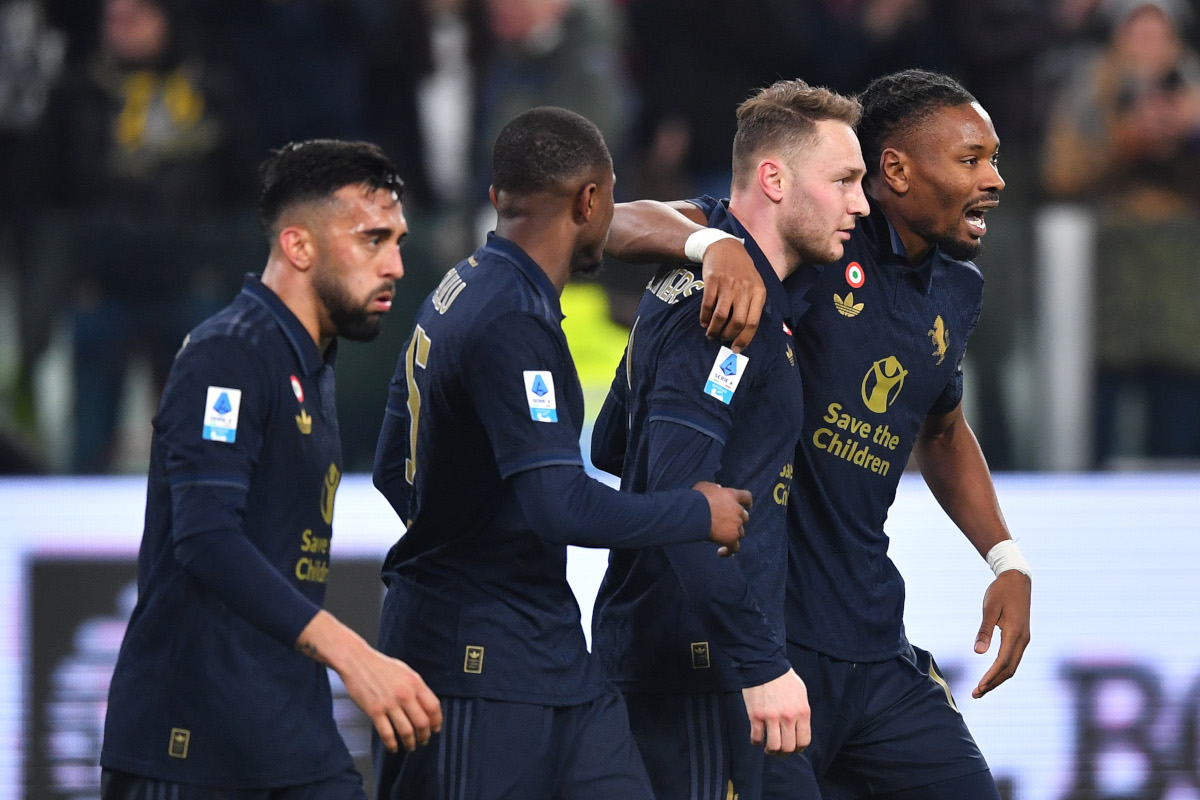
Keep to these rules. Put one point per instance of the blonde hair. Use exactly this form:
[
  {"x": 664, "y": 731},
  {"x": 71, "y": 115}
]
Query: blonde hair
[{"x": 782, "y": 119}]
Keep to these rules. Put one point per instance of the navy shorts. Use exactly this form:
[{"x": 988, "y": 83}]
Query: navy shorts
[
  {"x": 116, "y": 785},
  {"x": 492, "y": 750},
  {"x": 878, "y": 729},
  {"x": 697, "y": 746}
]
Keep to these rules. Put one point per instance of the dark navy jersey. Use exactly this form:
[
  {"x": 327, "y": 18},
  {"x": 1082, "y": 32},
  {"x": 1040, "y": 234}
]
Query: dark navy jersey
[
  {"x": 485, "y": 395},
  {"x": 245, "y": 449},
  {"x": 681, "y": 409},
  {"x": 879, "y": 350}
]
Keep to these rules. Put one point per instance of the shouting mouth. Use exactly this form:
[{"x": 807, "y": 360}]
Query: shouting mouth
[{"x": 976, "y": 225}]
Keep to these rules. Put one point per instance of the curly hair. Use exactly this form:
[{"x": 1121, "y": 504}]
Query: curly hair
[{"x": 895, "y": 105}]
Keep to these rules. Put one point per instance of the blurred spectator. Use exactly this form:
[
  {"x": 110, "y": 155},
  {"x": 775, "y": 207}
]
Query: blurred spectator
[
  {"x": 1124, "y": 135},
  {"x": 80, "y": 24},
  {"x": 31, "y": 57},
  {"x": 303, "y": 65},
  {"x": 999, "y": 46},
  {"x": 694, "y": 62},
  {"x": 420, "y": 80},
  {"x": 851, "y": 42},
  {"x": 137, "y": 156},
  {"x": 549, "y": 52},
  {"x": 552, "y": 52}
]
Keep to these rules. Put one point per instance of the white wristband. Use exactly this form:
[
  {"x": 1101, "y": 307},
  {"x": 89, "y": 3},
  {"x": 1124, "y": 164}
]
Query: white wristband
[
  {"x": 1005, "y": 556},
  {"x": 696, "y": 244}
]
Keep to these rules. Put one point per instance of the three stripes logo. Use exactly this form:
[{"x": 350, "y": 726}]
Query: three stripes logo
[{"x": 846, "y": 305}]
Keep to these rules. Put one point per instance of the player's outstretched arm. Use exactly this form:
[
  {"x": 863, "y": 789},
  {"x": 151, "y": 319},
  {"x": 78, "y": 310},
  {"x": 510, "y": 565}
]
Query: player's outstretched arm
[
  {"x": 563, "y": 505},
  {"x": 403, "y": 709},
  {"x": 780, "y": 718},
  {"x": 957, "y": 473},
  {"x": 653, "y": 232},
  {"x": 647, "y": 231}
]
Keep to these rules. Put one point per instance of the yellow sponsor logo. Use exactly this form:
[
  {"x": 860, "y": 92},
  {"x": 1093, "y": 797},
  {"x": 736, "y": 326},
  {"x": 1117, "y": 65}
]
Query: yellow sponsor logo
[
  {"x": 304, "y": 422},
  {"x": 312, "y": 570},
  {"x": 700, "y": 656},
  {"x": 791, "y": 356},
  {"x": 882, "y": 384},
  {"x": 940, "y": 338},
  {"x": 784, "y": 488},
  {"x": 328, "y": 492},
  {"x": 310, "y": 543},
  {"x": 853, "y": 439},
  {"x": 846, "y": 305}
]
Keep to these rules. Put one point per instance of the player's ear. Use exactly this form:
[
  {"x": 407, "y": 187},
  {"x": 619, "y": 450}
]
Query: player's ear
[
  {"x": 298, "y": 245},
  {"x": 770, "y": 177},
  {"x": 492, "y": 196},
  {"x": 893, "y": 166},
  {"x": 586, "y": 201}
]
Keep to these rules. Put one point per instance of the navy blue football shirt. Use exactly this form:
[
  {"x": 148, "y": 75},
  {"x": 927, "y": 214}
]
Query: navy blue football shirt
[
  {"x": 879, "y": 351},
  {"x": 245, "y": 464},
  {"x": 484, "y": 397},
  {"x": 682, "y": 409}
]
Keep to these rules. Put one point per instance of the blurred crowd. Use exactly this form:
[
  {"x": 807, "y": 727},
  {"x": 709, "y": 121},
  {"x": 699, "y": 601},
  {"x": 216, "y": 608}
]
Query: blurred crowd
[{"x": 130, "y": 131}]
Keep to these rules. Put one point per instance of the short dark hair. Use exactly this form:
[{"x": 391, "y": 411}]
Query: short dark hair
[
  {"x": 896, "y": 105},
  {"x": 308, "y": 171},
  {"x": 545, "y": 147},
  {"x": 784, "y": 117}
]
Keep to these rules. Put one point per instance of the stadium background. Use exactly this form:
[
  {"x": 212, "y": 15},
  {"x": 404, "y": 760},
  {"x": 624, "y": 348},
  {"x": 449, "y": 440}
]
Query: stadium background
[{"x": 1107, "y": 703}]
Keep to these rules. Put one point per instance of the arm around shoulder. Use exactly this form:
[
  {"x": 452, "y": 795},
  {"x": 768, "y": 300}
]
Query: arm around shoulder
[{"x": 650, "y": 232}]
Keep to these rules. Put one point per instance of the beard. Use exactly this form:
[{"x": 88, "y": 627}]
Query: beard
[
  {"x": 350, "y": 320},
  {"x": 586, "y": 265},
  {"x": 808, "y": 244},
  {"x": 959, "y": 249}
]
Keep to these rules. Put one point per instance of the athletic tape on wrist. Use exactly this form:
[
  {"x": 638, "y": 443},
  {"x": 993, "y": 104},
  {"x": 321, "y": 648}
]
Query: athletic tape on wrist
[
  {"x": 1005, "y": 556},
  {"x": 696, "y": 244}
]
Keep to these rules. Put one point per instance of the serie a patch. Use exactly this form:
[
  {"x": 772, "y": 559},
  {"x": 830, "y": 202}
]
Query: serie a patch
[
  {"x": 726, "y": 374},
  {"x": 539, "y": 392},
  {"x": 221, "y": 408}
]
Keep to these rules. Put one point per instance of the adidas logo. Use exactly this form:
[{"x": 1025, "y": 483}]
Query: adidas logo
[{"x": 847, "y": 307}]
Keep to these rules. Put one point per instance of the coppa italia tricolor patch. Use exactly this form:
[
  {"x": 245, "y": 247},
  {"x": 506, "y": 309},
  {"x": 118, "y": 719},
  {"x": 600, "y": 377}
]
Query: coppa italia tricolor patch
[{"x": 855, "y": 275}]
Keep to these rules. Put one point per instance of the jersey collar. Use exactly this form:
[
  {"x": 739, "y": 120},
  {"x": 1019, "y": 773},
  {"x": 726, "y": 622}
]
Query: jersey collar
[
  {"x": 777, "y": 295},
  {"x": 887, "y": 242},
  {"x": 508, "y": 250},
  {"x": 298, "y": 337}
]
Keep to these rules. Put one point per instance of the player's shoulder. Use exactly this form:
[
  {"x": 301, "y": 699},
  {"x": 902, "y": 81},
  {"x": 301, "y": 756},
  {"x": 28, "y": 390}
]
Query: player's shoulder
[
  {"x": 485, "y": 288},
  {"x": 963, "y": 275},
  {"x": 243, "y": 338},
  {"x": 965, "y": 270},
  {"x": 674, "y": 289},
  {"x": 243, "y": 322}
]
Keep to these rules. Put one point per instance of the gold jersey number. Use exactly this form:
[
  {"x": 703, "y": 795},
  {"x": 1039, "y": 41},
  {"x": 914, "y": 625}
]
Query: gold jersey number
[{"x": 417, "y": 356}]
